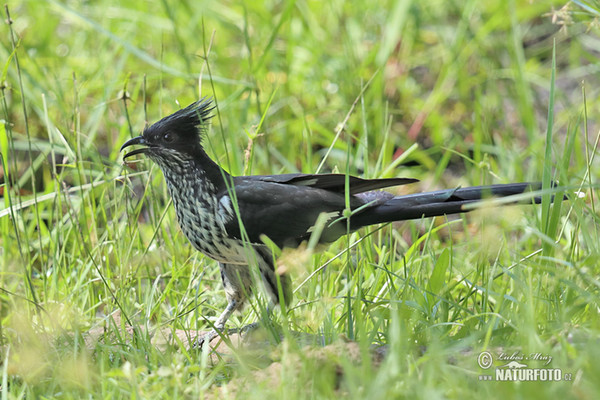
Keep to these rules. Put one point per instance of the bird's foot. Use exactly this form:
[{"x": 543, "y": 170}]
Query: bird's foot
[
  {"x": 248, "y": 328},
  {"x": 246, "y": 331},
  {"x": 207, "y": 337}
]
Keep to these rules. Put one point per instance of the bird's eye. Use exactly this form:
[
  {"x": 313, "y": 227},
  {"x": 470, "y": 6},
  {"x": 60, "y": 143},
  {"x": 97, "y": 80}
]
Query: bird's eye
[{"x": 168, "y": 137}]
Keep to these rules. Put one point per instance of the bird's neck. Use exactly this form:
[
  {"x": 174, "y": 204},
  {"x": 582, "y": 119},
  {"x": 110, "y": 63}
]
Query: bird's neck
[{"x": 194, "y": 176}]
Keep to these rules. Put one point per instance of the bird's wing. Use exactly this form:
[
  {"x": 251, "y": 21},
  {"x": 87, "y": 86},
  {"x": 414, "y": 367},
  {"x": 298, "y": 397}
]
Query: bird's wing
[
  {"x": 332, "y": 182},
  {"x": 285, "y": 212}
]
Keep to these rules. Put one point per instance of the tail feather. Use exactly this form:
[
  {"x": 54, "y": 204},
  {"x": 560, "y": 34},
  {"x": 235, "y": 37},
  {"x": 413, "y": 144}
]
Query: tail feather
[{"x": 432, "y": 204}]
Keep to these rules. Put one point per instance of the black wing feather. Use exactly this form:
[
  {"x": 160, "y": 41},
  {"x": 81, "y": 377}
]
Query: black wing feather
[
  {"x": 333, "y": 182},
  {"x": 284, "y": 212}
]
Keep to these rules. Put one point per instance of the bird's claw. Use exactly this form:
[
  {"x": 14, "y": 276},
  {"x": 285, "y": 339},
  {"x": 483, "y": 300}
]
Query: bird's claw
[
  {"x": 208, "y": 337},
  {"x": 200, "y": 340}
]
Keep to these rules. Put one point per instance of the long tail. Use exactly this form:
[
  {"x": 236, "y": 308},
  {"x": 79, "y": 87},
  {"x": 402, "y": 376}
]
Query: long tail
[{"x": 441, "y": 202}]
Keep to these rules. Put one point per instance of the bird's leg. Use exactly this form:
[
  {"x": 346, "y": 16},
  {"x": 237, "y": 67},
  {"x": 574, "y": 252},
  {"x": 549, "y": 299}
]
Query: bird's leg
[
  {"x": 231, "y": 307},
  {"x": 237, "y": 283},
  {"x": 219, "y": 325}
]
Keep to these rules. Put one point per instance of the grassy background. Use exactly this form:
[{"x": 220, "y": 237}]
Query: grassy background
[{"x": 449, "y": 92}]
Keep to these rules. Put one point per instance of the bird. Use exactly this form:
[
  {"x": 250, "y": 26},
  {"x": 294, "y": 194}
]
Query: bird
[{"x": 227, "y": 217}]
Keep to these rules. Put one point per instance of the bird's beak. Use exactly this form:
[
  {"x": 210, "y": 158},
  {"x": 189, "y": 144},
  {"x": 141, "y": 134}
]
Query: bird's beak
[{"x": 136, "y": 140}]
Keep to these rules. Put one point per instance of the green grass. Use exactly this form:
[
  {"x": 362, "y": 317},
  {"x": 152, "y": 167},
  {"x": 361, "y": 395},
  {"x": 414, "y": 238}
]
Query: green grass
[{"x": 452, "y": 93}]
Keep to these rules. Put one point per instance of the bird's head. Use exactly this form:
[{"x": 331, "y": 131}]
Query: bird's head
[{"x": 175, "y": 137}]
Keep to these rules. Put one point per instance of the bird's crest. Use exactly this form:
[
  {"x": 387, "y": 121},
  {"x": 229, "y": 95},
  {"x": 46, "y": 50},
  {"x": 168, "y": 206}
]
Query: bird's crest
[{"x": 189, "y": 123}]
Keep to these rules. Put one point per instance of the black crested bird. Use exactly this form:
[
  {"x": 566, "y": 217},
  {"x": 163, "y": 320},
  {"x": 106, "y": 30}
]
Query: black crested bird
[{"x": 224, "y": 216}]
